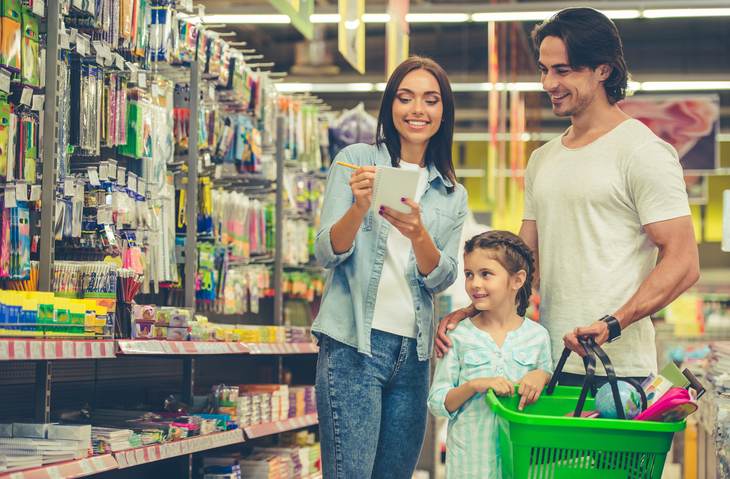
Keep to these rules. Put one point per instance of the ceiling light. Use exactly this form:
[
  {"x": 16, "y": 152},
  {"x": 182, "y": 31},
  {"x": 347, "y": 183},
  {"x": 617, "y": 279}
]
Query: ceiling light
[
  {"x": 476, "y": 87},
  {"x": 247, "y": 19},
  {"x": 324, "y": 18},
  {"x": 512, "y": 16},
  {"x": 524, "y": 86},
  {"x": 437, "y": 17},
  {"x": 376, "y": 18},
  {"x": 622, "y": 14},
  {"x": 538, "y": 16},
  {"x": 685, "y": 12},
  {"x": 471, "y": 87},
  {"x": 684, "y": 85}
]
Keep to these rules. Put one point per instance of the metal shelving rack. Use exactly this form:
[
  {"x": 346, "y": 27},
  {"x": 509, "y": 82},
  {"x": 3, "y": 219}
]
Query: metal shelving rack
[{"x": 43, "y": 381}]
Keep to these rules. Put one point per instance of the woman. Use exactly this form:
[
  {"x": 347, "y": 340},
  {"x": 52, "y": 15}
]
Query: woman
[{"x": 375, "y": 324}]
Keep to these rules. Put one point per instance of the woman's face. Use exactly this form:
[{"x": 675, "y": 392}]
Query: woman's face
[{"x": 417, "y": 108}]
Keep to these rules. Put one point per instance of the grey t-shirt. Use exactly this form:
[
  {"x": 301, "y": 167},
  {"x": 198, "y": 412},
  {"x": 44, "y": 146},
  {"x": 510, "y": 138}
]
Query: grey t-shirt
[{"x": 590, "y": 205}]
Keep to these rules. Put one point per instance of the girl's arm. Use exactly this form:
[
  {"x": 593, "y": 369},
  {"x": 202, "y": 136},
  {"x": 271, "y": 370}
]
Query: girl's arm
[
  {"x": 445, "y": 379},
  {"x": 459, "y": 395}
]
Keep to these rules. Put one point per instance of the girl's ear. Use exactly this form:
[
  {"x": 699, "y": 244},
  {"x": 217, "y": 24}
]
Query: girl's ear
[{"x": 518, "y": 279}]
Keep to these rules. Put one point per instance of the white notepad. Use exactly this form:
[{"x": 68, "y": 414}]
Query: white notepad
[{"x": 392, "y": 184}]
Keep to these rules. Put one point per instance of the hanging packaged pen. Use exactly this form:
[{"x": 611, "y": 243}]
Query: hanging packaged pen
[
  {"x": 30, "y": 49},
  {"x": 4, "y": 134},
  {"x": 4, "y": 240},
  {"x": 10, "y": 34},
  {"x": 23, "y": 245},
  {"x": 142, "y": 37}
]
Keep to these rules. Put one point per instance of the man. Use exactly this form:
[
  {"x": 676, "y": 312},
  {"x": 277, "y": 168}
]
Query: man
[{"x": 603, "y": 202}]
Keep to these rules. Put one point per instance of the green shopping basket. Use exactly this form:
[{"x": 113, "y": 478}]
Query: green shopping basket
[{"x": 544, "y": 442}]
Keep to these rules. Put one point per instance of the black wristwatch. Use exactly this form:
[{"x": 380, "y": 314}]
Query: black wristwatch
[{"x": 614, "y": 328}]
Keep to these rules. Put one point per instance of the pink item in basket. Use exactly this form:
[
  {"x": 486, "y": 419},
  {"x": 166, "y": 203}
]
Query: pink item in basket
[{"x": 675, "y": 405}]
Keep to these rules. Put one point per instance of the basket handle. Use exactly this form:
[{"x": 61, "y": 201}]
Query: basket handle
[{"x": 589, "y": 360}]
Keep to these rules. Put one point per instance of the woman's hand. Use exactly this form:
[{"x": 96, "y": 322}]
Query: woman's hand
[
  {"x": 531, "y": 386},
  {"x": 361, "y": 183},
  {"x": 500, "y": 386},
  {"x": 409, "y": 224}
]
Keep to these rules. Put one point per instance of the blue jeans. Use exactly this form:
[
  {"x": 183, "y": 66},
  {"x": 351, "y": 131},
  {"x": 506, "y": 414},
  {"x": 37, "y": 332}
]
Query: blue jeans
[{"x": 372, "y": 410}]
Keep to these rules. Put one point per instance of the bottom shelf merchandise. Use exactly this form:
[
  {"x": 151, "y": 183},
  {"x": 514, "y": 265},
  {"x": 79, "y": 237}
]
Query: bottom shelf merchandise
[
  {"x": 715, "y": 406},
  {"x": 297, "y": 456},
  {"x": 136, "y": 437}
]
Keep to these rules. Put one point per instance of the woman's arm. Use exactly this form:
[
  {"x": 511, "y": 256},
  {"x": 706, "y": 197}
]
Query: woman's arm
[
  {"x": 331, "y": 250},
  {"x": 342, "y": 234}
]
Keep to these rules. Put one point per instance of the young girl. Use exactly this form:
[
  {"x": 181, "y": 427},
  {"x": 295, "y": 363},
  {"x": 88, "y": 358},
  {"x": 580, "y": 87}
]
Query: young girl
[
  {"x": 497, "y": 349},
  {"x": 375, "y": 323}
]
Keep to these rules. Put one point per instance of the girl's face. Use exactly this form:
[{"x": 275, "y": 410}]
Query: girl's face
[
  {"x": 417, "y": 108},
  {"x": 489, "y": 285}
]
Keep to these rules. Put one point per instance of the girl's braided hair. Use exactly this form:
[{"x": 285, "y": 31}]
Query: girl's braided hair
[{"x": 513, "y": 254}]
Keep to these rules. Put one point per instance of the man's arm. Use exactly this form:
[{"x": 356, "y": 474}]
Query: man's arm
[{"x": 677, "y": 269}]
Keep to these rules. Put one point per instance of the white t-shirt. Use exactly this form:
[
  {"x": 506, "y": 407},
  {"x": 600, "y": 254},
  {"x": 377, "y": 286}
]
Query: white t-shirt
[
  {"x": 394, "y": 312},
  {"x": 590, "y": 204}
]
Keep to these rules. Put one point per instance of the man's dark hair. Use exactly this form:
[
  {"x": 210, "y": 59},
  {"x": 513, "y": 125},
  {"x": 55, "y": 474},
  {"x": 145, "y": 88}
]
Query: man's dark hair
[{"x": 591, "y": 39}]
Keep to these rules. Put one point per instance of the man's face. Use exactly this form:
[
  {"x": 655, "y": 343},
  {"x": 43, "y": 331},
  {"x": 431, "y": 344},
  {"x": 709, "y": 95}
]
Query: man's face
[{"x": 571, "y": 90}]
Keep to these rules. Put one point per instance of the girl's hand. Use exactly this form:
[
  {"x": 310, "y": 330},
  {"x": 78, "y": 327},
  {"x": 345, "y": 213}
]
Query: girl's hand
[
  {"x": 409, "y": 224},
  {"x": 361, "y": 183},
  {"x": 500, "y": 386},
  {"x": 531, "y": 386}
]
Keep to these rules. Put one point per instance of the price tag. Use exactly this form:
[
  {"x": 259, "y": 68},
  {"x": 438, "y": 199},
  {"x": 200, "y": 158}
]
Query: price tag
[
  {"x": 82, "y": 45},
  {"x": 103, "y": 171},
  {"x": 119, "y": 61},
  {"x": 121, "y": 175},
  {"x": 155, "y": 89},
  {"x": 93, "y": 176},
  {"x": 4, "y": 81},
  {"x": 132, "y": 182},
  {"x": 38, "y": 101},
  {"x": 104, "y": 215},
  {"x": 68, "y": 187},
  {"x": 39, "y": 8},
  {"x": 35, "y": 192},
  {"x": 142, "y": 79},
  {"x": 21, "y": 191},
  {"x": 10, "y": 198},
  {"x": 64, "y": 42},
  {"x": 112, "y": 169},
  {"x": 27, "y": 96}
]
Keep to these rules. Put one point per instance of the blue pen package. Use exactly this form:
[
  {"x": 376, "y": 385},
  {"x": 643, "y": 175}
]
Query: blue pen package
[{"x": 23, "y": 217}]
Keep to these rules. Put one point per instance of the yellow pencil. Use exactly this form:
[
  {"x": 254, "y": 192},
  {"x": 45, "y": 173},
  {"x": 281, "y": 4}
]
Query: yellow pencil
[{"x": 347, "y": 165}]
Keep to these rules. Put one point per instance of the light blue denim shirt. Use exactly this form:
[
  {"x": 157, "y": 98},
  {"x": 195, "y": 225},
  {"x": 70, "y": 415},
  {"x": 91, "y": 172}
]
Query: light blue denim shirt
[{"x": 346, "y": 312}]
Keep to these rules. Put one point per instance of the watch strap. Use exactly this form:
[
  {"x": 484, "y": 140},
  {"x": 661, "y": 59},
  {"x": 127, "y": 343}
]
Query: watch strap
[{"x": 614, "y": 327}]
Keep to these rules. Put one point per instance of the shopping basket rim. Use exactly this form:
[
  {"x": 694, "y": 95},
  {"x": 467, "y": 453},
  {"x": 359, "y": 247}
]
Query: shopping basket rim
[{"x": 577, "y": 422}]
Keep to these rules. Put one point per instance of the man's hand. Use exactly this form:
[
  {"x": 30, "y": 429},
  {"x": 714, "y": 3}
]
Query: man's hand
[
  {"x": 500, "y": 386},
  {"x": 449, "y": 322},
  {"x": 531, "y": 386},
  {"x": 598, "y": 331}
]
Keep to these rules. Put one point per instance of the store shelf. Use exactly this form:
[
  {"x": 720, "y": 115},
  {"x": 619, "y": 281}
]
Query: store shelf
[
  {"x": 155, "y": 347},
  {"x": 51, "y": 349},
  {"x": 268, "y": 429},
  {"x": 67, "y": 470},
  {"x": 290, "y": 348},
  {"x": 159, "y": 452}
]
